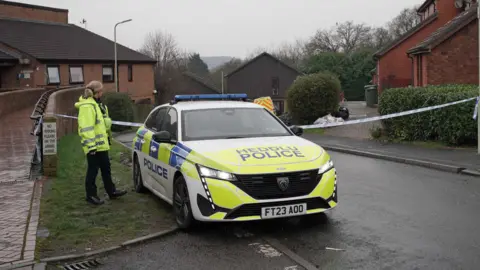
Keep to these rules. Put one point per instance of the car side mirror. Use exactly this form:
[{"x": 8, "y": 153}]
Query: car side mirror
[
  {"x": 297, "y": 130},
  {"x": 162, "y": 137}
]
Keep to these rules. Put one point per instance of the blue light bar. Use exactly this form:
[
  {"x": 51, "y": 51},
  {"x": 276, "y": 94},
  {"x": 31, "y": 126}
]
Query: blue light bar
[{"x": 210, "y": 97}]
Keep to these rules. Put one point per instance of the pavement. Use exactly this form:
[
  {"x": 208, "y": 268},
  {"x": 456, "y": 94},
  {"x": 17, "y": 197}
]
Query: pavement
[
  {"x": 16, "y": 148},
  {"x": 390, "y": 216},
  {"x": 457, "y": 157}
]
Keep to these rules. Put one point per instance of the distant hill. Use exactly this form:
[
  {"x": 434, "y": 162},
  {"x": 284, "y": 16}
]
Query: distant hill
[{"x": 215, "y": 61}]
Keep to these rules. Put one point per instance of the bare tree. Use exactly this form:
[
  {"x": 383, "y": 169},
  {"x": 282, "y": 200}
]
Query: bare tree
[
  {"x": 403, "y": 22},
  {"x": 290, "y": 53},
  {"x": 171, "y": 60},
  {"x": 380, "y": 37},
  {"x": 343, "y": 37}
]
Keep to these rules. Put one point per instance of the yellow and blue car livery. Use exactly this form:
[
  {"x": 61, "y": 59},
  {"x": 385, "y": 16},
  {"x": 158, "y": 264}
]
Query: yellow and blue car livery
[{"x": 240, "y": 179}]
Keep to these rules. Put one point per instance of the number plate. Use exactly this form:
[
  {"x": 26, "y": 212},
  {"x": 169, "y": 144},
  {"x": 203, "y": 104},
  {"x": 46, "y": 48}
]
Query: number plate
[{"x": 284, "y": 210}]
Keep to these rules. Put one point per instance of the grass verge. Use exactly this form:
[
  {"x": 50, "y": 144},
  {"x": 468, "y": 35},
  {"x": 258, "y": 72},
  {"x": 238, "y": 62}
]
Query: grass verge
[
  {"x": 319, "y": 131},
  {"x": 75, "y": 226}
]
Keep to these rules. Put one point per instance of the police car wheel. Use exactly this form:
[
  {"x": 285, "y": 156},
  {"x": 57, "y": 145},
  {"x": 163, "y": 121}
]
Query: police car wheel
[
  {"x": 181, "y": 204},
  {"x": 137, "y": 177}
]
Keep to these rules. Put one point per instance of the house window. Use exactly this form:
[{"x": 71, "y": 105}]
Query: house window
[
  {"x": 275, "y": 86},
  {"x": 76, "y": 74},
  {"x": 130, "y": 73},
  {"x": 53, "y": 74},
  {"x": 107, "y": 73}
]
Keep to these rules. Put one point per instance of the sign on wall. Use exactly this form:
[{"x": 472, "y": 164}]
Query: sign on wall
[{"x": 49, "y": 138}]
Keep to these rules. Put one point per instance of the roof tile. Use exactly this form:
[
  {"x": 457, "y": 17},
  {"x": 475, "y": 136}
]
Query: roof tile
[{"x": 55, "y": 41}]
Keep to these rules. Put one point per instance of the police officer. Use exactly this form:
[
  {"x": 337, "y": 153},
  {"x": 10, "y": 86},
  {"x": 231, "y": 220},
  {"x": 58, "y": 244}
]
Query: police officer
[{"x": 94, "y": 129}]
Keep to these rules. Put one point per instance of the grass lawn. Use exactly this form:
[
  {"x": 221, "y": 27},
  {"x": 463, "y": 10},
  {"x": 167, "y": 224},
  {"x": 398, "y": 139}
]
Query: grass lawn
[
  {"x": 319, "y": 131},
  {"x": 75, "y": 226}
]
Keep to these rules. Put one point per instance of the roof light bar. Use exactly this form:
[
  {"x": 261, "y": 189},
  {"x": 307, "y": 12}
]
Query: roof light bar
[{"x": 210, "y": 97}]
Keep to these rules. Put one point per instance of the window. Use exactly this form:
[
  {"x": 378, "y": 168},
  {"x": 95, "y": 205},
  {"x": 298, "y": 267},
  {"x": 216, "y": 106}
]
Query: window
[
  {"x": 230, "y": 123},
  {"x": 159, "y": 118},
  {"x": 278, "y": 106},
  {"x": 170, "y": 123},
  {"x": 53, "y": 75},
  {"x": 130, "y": 73},
  {"x": 76, "y": 74},
  {"x": 107, "y": 73},
  {"x": 275, "y": 86},
  {"x": 150, "y": 122}
]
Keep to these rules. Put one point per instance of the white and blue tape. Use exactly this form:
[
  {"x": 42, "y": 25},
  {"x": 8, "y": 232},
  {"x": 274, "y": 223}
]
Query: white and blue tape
[{"x": 351, "y": 122}]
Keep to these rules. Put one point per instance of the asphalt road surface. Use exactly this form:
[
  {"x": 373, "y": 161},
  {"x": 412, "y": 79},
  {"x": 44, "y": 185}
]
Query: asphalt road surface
[{"x": 390, "y": 216}]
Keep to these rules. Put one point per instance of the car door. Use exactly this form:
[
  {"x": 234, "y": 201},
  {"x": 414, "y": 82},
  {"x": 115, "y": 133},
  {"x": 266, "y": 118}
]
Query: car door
[
  {"x": 168, "y": 158},
  {"x": 151, "y": 167}
]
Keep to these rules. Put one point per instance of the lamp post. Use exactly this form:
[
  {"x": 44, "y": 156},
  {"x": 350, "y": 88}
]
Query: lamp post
[
  {"x": 115, "y": 50},
  {"x": 478, "y": 118}
]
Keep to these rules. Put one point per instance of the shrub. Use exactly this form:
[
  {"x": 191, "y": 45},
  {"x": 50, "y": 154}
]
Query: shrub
[
  {"x": 452, "y": 125},
  {"x": 286, "y": 118},
  {"x": 313, "y": 96},
  {"x": 120, "y": 108}
]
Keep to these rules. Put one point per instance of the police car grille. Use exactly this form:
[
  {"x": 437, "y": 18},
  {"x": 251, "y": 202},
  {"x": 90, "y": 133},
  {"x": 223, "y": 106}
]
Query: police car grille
[{"x": 265, "y": 186}]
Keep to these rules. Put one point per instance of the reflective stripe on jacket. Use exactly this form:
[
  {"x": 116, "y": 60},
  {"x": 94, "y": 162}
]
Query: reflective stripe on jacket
[{"x": 91, "y": 126}]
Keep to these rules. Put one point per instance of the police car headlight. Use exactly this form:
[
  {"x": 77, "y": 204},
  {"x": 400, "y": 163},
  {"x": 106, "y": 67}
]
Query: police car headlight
[
  {"x": 211, "y": 173},
  {"x": 326, "y": 167}
]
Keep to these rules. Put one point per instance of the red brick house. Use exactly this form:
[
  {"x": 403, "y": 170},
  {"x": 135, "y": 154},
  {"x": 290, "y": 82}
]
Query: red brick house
[
  {"x": 436, "y": 51},
  {"x": 39, "y": 48}
]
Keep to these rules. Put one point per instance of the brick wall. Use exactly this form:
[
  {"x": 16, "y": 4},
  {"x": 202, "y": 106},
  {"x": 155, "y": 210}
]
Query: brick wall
[
  {"x": 18, "y": 99},
  {"x": 456, "y": 59},
  {"x": 9, "y": 74},
  {"x": 32, "y": 12},
  {"x": 140, "y": 87}
]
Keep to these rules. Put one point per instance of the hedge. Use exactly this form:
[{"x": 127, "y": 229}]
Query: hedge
[
  {"x": 313, "y": 96},
  {"x": 452, "y": 125},
  {"x": 120, "y": 108}
]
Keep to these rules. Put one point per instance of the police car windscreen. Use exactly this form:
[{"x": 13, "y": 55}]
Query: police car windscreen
[{"x": 230, "y": 123}]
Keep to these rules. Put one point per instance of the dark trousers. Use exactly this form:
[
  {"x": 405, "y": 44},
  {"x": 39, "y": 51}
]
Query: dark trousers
[{"x": 102, "y": 161}]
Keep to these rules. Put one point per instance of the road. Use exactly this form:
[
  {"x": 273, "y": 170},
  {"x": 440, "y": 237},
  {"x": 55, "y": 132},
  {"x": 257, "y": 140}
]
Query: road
[{"x": 390, "y": 216}]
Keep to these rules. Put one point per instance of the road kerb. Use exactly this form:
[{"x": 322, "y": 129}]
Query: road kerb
[
  {"x": 110, "y": 249},
  {"x": 471, "y": 172},
  {"x": 416, "y": 162}
]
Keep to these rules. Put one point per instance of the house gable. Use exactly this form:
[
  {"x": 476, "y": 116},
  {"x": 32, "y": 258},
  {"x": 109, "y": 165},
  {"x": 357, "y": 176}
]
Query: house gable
[{"x": 264, "y": 75}]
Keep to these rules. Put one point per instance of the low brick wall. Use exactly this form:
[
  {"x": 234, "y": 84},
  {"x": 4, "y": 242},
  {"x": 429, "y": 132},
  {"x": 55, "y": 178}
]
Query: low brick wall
[
  {"x": 19, "y": 99},
  {"x": 61, "y": 102}
]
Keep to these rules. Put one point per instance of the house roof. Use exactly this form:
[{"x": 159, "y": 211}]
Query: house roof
[
  {"x": 5, "y": 56},
  {"x": 56, "y": 41},
  {"x": 202, "y": 81},
  {"x": 258, "y": 57},
  {"x": 424, "y": 6},
  {"x": 9, "y": 3},
  {"x": 446, "y": 31},
  {"x": 405, "y": 36}
]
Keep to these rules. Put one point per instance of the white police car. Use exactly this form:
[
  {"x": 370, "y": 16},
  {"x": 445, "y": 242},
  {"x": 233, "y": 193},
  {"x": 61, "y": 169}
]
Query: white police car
[{"x": 222, "y": 158}]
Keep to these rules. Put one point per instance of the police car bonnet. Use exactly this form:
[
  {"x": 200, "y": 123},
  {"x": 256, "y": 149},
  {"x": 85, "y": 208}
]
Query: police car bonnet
[{"x": 258, "y": 151}]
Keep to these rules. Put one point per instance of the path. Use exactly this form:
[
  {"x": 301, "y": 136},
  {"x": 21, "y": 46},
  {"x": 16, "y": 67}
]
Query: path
[
  {"x": 16, "y": 148},
  {"x": 358, "y": 110}
]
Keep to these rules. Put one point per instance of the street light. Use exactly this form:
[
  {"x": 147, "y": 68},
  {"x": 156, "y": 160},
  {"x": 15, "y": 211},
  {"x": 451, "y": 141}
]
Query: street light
[{"x": 115, "y": 39}]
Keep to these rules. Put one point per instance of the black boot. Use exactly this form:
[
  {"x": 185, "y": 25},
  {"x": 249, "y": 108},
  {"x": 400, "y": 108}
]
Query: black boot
[
  {"x": 117, "y": 193},
  {"x": 95, "y": 200}
]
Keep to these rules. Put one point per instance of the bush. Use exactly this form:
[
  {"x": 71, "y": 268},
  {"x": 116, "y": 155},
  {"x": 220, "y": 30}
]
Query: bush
[
  {"x": 286, "y": 118},
  {"x": 452, "y": 125},
  {"x": 313, "y": 96},
  {"x": 120, "y": 108}
]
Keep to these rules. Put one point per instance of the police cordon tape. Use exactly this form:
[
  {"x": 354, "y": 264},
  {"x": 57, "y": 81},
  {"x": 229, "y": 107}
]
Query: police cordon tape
[{"x": 351, "y": 122}]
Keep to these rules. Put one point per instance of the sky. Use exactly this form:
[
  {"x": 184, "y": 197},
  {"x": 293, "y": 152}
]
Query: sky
[{"x": 223, "y": 27}]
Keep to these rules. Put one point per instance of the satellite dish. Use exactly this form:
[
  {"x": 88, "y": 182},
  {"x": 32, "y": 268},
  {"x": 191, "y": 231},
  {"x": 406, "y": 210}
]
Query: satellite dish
[{"x": 459, "y": 3}]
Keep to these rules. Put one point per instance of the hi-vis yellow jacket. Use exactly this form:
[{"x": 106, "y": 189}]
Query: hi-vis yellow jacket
[
  {"x": 265, "y": 102},
  {"x": 91, "y": 126}
]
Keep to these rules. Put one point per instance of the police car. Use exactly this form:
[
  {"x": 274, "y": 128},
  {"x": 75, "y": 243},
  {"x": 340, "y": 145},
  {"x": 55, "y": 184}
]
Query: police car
[{"x": 223, "y": 158}]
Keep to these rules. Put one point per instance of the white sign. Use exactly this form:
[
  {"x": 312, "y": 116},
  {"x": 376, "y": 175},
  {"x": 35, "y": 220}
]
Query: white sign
[{"x": 49, "y": 138}]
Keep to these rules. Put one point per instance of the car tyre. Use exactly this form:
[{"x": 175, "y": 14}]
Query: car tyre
[
  {"x": 137, "y": 177},
  {"x": 181, "y": 204}
]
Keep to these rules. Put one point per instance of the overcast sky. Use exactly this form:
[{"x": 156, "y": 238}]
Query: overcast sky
[{"x": 223, "y": 27}]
